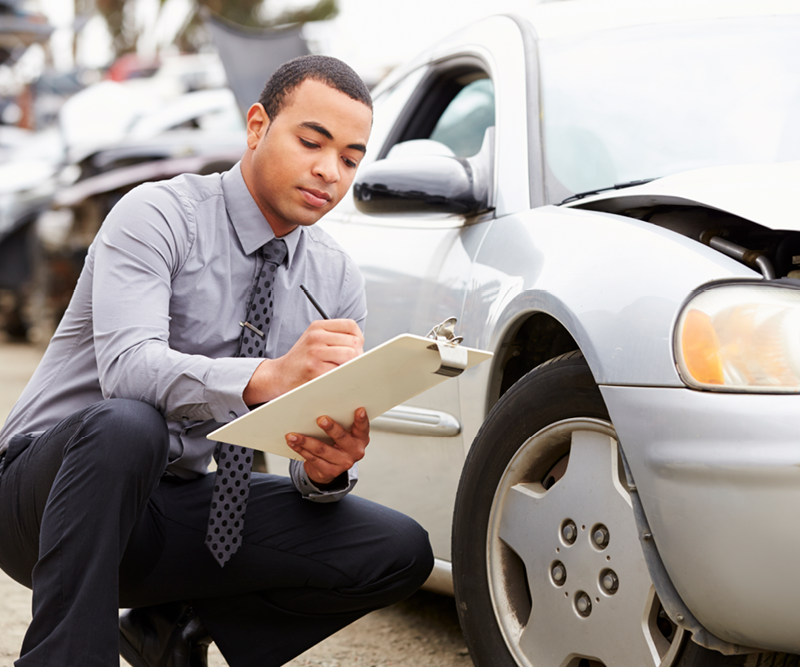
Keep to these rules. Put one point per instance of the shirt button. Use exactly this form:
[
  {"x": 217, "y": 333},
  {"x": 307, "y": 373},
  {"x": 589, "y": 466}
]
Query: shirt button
[{"x": 233, "y": 414}]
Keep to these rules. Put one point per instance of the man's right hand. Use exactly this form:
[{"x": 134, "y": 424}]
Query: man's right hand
[{"x": 325, "y": 345}]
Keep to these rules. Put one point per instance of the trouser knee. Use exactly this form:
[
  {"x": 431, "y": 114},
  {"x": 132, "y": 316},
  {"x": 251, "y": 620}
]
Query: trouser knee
[
  {"x": 407, "y": 557},
  {"x": 415, "y": 554},
  {"x": 123, "y": 436}
]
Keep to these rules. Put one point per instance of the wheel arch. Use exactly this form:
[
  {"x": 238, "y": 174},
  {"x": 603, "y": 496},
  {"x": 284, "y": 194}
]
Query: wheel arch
[
  {"x": 529, "y": 341},
  {"x": 534, "y": 338}
]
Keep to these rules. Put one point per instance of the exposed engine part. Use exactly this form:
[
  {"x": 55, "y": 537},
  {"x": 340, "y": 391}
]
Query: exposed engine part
[{"x": 753, "y": 258}]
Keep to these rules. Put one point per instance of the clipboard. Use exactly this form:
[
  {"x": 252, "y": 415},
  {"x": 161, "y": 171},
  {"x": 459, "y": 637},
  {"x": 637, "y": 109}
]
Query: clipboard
[{"x": 378, "y": 380}]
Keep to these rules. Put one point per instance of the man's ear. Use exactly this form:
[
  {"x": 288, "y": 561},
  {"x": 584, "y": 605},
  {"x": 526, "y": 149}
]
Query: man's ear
[{"x": 257, "y": 124}]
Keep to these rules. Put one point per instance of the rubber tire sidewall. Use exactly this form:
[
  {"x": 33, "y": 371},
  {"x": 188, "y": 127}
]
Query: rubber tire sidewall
[{"x": 562, "y": 388}]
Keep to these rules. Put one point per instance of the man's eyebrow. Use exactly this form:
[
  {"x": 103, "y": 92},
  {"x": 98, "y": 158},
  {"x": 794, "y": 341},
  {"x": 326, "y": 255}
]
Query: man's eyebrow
[{"x": 316, "y": 127}]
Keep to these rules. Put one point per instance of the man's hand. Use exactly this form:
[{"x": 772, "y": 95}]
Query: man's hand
[
  {"x": 324, "y": 462},
  {"x": 325, "y": 345}
]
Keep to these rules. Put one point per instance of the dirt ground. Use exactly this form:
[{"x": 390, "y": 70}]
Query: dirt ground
[{"x": 423, "y": 631}]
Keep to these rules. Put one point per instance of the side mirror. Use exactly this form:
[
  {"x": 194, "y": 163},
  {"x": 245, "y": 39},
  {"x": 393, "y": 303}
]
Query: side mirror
[{"x": 428, "y": 183}]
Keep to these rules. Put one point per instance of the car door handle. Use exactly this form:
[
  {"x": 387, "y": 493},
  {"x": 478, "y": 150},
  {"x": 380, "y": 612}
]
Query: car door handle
[{"x": 417, "y": 421}]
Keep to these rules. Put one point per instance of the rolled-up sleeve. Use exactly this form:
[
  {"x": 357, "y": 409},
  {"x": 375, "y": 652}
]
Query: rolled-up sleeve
[{"x": 141, "y": 247}]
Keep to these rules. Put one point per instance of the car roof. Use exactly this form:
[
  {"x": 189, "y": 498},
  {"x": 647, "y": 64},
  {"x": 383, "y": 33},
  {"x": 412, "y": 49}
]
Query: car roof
[
  {"x": 562, "y": 19},
  {"x": 565, "y": 18}
]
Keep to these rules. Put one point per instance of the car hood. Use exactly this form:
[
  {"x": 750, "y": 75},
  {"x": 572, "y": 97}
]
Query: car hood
[{"x": 766, "y": 194}]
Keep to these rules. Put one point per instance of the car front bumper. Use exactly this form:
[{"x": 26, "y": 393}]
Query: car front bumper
[{"x": 718, "y": 475}]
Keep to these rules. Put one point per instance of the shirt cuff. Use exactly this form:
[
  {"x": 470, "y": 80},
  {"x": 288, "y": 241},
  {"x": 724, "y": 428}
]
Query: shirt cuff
[
  {"x": 226, "y": 383},
  {"x": 311, "y": 492}
]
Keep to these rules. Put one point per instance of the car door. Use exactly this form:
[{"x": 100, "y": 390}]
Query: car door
[
  {"x": 418, "y": 266},
  {"x": 417, "y": 271}
]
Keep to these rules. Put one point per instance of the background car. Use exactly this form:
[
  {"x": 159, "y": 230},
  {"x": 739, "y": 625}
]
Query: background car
[
  {"x": 604, "y": 195},
  {"x": 61, "y": 182}
]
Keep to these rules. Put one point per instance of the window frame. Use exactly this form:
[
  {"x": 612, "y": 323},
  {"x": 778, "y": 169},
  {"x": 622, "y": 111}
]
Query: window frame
[{"x": 433, "y": 95}]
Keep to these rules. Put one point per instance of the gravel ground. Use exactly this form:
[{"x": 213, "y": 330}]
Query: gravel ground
[{"x": 423, "y": 631}]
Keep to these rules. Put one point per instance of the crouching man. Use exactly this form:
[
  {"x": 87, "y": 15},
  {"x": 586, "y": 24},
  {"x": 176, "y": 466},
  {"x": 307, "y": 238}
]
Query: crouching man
[{"x": 189, "y": 310}]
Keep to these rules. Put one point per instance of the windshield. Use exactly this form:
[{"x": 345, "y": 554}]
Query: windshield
[{"x": 650, "y": 101}]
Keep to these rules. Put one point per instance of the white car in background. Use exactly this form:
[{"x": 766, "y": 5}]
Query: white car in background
[{"x": 605, "y": 195}]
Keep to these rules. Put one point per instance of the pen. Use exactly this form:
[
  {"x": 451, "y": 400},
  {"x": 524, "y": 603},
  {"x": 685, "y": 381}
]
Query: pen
[{"x": 314, "y": 302}]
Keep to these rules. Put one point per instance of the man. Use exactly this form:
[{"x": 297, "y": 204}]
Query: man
[{"x": 188, "y": 310}]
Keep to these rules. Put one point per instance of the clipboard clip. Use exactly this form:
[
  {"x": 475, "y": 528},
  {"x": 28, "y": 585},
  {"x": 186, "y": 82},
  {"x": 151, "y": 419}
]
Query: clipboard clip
[{"x": 454, "y": 358}]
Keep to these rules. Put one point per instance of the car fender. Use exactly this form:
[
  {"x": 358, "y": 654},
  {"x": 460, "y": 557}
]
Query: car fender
[{"x": 614, "y": 283}]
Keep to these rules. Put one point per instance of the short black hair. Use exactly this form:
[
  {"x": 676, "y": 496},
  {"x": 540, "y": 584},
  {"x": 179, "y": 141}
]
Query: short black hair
[{"x": 325, "y": 69}]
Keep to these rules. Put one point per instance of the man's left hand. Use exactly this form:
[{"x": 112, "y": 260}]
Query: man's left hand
[{"x": 324, "y": 462}]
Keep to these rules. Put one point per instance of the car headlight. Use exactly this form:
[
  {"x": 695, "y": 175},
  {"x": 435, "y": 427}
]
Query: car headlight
[{"x": 740, "y": 337}]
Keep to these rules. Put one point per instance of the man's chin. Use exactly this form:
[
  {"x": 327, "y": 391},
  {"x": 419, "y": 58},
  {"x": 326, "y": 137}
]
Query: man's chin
[{"x": 310, "y": 216}]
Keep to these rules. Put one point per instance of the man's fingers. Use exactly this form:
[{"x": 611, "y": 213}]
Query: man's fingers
[
  {"x": 360, "y": 428},
  {"x": 325, "y": 462},
  {"x": 324, "y": 345},
  {"x": 346, "y": 332},
  {"x": 334, "y": 430},
  {"x": 352, "y": 442},
  {"x": 335, "y": 355},
  {"x": 333, "y": 339},
  {"x": 338, "y": 325},
  {"x": 316, "y": 451}
]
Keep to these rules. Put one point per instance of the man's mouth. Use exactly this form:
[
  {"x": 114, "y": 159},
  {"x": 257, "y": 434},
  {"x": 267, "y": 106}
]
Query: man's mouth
[{"x": 316, "y": 198}]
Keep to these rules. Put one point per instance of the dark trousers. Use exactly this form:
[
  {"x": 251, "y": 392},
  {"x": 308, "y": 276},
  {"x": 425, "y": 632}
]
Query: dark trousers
[{"x": 89, "y": 523}]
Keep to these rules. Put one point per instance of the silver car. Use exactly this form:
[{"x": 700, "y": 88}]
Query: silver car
[{"x": 605, "y": 196}]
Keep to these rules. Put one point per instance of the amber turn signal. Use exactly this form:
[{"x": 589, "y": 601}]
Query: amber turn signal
[{"x": 700, "y": 346}]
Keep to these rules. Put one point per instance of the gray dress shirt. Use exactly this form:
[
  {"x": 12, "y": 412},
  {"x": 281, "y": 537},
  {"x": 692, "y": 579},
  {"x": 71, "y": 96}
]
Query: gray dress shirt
[{"x": 156, "y": 311}]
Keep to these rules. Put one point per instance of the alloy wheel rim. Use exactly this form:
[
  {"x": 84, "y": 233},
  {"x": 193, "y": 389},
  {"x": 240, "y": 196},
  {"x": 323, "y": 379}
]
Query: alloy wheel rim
[{"x": 568, "y": 581}]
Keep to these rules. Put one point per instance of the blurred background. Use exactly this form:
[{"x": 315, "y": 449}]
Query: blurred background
[{"x": 98, "y": 96}]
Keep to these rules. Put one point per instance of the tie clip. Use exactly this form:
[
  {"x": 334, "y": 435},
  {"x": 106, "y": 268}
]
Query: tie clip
[{"x": 252, "y": 328}]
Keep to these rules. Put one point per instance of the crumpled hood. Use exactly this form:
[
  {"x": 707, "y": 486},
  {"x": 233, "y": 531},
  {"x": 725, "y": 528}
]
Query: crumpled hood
[{"x": 767, "y": 194}]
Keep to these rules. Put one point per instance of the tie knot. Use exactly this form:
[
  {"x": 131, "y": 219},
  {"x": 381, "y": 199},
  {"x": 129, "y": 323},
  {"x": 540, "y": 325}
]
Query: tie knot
[{"x": 274, "y": 251}]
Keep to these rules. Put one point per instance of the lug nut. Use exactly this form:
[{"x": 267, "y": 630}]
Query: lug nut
[
  {"x": 559, "y": 573},
  {"x": 583, "y": 603},
  {"x": 600, "y": 536},
  {"x": 569, "y": 532},
  {"x": 609, "y": 581}
]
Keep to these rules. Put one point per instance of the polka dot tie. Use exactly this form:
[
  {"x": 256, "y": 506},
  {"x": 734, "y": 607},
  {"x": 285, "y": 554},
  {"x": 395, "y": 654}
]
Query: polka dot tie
[{"x": 234, "y": 464}]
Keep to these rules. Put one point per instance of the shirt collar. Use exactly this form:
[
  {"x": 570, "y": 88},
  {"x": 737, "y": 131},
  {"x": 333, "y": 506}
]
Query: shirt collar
[{"x": 251, "y": 227}]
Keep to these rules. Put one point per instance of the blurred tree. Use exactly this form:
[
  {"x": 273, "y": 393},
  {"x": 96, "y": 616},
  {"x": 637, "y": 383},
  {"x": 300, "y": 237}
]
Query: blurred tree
[
  {"x": 119, "y": 16},
  {"x": 249, "y": 13}
]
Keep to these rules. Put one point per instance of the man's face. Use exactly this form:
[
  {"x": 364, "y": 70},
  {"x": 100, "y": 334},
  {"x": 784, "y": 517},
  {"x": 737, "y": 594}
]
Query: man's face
[{"x": 300, "y": 164}]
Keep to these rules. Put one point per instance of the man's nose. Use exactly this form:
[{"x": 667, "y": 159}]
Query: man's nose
[{"x": 327, "y": 167}]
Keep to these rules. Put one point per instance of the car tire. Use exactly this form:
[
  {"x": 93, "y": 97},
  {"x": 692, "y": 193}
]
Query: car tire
[{"x": 543, "y": 476}]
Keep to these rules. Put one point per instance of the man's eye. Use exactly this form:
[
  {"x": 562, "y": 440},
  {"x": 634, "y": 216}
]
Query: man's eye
[
  {"x": 308, "y": 144},
  {"x": 350, "y": 163}
]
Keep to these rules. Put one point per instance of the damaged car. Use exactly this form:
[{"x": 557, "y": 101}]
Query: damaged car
[{"x": 604, "y": 195}]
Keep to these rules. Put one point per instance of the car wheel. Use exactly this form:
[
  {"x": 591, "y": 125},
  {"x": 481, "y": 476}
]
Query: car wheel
[{"x": 547, "y": 566}]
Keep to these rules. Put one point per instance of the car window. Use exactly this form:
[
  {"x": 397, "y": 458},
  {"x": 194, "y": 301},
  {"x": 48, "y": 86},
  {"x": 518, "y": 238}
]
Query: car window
[
  {"x": 387, "y": 105},
  {"x": 464, "y": 122},
  {"x": 452, "y": 107},
  {"x": 633, "y": 103}
]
